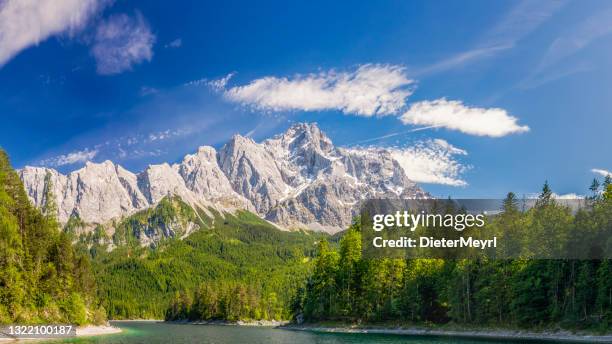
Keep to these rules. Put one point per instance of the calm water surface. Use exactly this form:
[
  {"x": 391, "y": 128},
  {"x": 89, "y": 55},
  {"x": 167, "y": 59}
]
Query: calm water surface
[{"x": 162, "y": 333}]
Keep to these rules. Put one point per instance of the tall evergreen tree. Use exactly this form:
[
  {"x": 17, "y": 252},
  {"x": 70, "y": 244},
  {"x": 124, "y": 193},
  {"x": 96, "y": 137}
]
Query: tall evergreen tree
[{"x": 546, "y": 196}]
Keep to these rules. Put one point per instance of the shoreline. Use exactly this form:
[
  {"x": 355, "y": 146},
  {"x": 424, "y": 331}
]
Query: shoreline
[
  {"x": 245, "y": 323},
  {"x": 93, "y": 330},
  {"x": 83, "y": 331},
  {"x": 475, "y": 334}
]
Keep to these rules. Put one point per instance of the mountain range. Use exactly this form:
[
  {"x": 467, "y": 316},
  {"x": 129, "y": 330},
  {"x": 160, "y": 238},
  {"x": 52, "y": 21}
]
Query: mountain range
[{"x": 297, "y": 179}]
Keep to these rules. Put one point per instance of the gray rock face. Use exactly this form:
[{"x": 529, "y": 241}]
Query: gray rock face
[
  {"x": 252, "y": 172},
  {"x": 203, "y": 176},
  {"x": 96, "y": 192},
  {"x": 295, "y": 179}
]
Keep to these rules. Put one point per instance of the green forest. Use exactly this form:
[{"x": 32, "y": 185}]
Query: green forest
[
  {"x": 43, "y": 277},
  {"x": 524, "y": 293},
  {"x": 240, "y": 268}
]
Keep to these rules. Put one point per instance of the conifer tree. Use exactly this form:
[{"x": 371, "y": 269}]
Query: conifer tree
[
  {"x": 546, "y": 196},
  {"x": 510, "y": 204},
  {"x": 594, "y": 188}
]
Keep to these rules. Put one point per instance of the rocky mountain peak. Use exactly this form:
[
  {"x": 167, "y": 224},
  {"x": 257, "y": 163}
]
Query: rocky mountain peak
[
  {"x": 238, "y": 142},
  {"x": 295, "y": 179},
  {"x": 301, "y": 137}
]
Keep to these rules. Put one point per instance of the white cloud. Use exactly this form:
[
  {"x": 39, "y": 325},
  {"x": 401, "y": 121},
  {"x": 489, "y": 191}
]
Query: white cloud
[
  {"x": 70, "y": 158},
  {"x": 432, "y": 161},
  {"x": 177, "y": 43},
  {"x": 218, "y": 85},
  {"x": 369, "y": 90},
  {"x": 121, "y": 42},
  {"x": 197, "y": 82},
  {"x": 602, "y": 172},
  {"x": 567, "y": 196},
  {"x": 452, "y": 114},
  {"x": 24, "y": 23},
  {"x": 167, "y": 134}
]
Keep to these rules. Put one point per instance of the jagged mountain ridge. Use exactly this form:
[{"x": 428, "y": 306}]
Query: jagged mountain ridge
[{"x": 295, "y": 179}]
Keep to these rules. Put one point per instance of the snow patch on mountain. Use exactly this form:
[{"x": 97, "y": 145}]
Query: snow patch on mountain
[{"x": 296, "y": 179}]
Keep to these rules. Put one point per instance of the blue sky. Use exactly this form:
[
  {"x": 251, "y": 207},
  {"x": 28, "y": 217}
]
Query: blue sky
[{"x": 478, "y": 97}]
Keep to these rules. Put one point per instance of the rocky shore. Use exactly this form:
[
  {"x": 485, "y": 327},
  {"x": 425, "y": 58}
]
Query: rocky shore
[{"x": 561, "y": 336}]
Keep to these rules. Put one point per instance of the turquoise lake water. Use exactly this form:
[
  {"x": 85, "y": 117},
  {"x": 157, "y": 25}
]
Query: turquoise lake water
[{"x": 158, "y": 333}]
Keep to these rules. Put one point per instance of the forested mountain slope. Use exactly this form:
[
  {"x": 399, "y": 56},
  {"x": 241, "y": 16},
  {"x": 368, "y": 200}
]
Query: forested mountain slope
[
  {"x": 245, "y": 267},
  {"x": 43, "y": 278}
]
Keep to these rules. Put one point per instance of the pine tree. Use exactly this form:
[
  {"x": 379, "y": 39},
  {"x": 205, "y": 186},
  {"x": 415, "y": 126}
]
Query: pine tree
[
  {"x": 350, "y": 254},
  {"x": 49, "y": 208},
  {"x": 510, "y": 203},
  {"x": 546, "y": 196},
  {"x": 607, "y": 195},
  {"x": 594, "y": 188}
]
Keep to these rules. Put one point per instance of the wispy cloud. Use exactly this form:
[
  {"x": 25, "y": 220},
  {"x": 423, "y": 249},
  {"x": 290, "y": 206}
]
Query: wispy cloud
[
  {"x": 147, "y": 90},
  {"x": 538, "y": 77},
  {"x": 137, "y": 146},
  {"x": 70, "y": 158},
  {"x": 432, "y": 161},
  {"x": 250, "y": 132},
  {"x": 459, "y": 59},
  {"x": 24, "y": 23},
  {"x": 523, "y": 19},
  {"x": 121, "y": 42},
  {"x": 369, "y": 90},
  {"x": 578, "y": 37},
  {"x": 454, "y": 115},
  {"x": 216, "y": 85},
  {"x": 166, "y": 134},
  {"x": 575, "y": 38},
  {"x": 219, "y": 85},
  {"x": 387, "y": 136},
  {"x": 177, "y": 43},
  {"x": 602, "y": 172}
]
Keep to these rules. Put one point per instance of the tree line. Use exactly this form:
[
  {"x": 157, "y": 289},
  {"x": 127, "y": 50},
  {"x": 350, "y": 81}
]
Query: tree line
[
  {"x": 522, "y": 292},
  {"x": 231, "y": 302}
]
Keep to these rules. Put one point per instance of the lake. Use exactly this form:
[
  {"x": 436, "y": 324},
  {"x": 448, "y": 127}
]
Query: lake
[{"x": 164, "y": 333}]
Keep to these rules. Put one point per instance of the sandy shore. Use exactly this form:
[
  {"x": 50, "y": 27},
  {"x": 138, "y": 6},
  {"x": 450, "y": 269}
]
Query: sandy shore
[
  {"x": 86, "y": 331},
  {"x": 484, "y": 334},
  {"x": 83, "y": 331}
]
